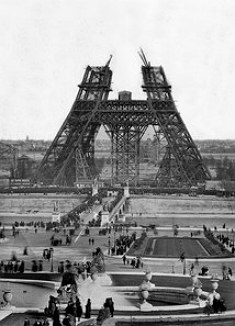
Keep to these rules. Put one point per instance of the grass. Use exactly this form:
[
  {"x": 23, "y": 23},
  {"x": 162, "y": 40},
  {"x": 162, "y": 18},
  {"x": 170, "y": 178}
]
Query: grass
[{"x": 173, "y": 247}]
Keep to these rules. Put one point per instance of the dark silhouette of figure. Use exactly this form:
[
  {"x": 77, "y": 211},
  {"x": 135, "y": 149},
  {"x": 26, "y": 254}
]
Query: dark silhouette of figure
[
  {"x": 34, "y": 266},
  {"x": 61, "y": 267},
  {"x": 40, "y": 268},
  {"x": 56, "y": 317},
  {"x": 69, "y": 278},
  {"x": 138, "y": 263},
  {"x": 182, "y": 257},
  {"x": 66, "y": 321},
  {"x": 16, "y": 267},
  {"x": 218, "y": 305},
  {"x": 67, "y": 240},
  {"x": 70, "y": 311},
  {"x": 25, "y": 252},
  {"x": 48, "y": 255},
  {"x": 88, "y": 309},
  {"x": 21, "y": 267},
  {"x": 109, "y": 303},
  {"x": 51, "y": 306},
  {"x": 133, "y": 262},
  {"x": 78, "y": 309},
  {"x": 104, "y": 313},
  {"x": 10, "y": 266}
]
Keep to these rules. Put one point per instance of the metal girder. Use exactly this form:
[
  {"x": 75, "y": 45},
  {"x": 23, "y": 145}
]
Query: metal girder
[
  {"x": 71, "y": 154},
  {"x": 133, "y": 113},
  {"x": 188, "y": 161},
  {"x": 169, "y": 175},
  {"x": 59, "y": 165},
  {"x": 125, "y": 140}
]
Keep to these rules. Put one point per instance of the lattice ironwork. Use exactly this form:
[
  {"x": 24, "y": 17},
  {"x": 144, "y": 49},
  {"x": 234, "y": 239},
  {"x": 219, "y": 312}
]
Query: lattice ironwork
[
  {"x": 125, "y": 140},
  {"x": 73, "y": 145},
  {"x": 70, "y": 157},
  {"x": 187, "y": 159}
]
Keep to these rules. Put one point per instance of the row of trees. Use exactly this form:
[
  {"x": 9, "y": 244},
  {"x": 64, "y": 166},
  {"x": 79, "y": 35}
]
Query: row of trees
[{"x": 224, "y": 168}]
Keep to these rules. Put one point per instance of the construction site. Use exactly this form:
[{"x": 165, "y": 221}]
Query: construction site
[
  {"x": 69, "y": 165},
  {"x": 68, "y": 187}
]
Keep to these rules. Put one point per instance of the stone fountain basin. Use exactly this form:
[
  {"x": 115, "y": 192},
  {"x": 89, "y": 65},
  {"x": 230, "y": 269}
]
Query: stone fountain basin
[
  {"x": 127, "y": 300},
  {"x": 158, "y": 294},
  {"x": 28, "y": 293}
]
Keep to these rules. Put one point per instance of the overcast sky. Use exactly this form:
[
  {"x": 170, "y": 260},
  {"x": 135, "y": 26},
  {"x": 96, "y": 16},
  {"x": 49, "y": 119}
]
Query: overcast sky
[{"x": 45, "y": 46}]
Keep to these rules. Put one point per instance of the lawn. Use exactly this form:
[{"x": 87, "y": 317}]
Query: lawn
[{"x": 173, "y": 247}]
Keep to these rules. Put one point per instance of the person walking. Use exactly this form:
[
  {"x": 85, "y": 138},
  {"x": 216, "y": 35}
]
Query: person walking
[
  {"x": 70, "y": 311},
  {"x": 124, "y": 259},
  {"x": 79, "y": 311},
  {"x": 34, "y": 266},
  {"x": 137, "y": 262},
  {"x": 133, "y": 262},
  {"x": 21, "y": 267},
  {"x": 88, "y": 309},
  {"x": 67, "y": 240},
  {"x": 61, "y": 267},
  {"x": 56, "y": 317},
  {"x": 40, "y": 266},
  {"x": 191, "y": 270}
]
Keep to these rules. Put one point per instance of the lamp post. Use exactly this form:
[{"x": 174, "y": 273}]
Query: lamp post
[
  {"x": 52, "y": 257},
  {"x": 109, "y": 243},
  {"x": 114, "y": 241}
]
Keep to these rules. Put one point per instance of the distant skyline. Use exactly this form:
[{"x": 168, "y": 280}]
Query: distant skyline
[{"x": 46, "y": 46}]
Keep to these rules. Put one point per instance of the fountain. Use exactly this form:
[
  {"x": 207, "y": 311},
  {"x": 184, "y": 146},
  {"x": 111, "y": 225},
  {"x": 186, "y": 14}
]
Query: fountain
[
  {"x": 146, "y": 284},
  {"x": 134, "y": 301}
]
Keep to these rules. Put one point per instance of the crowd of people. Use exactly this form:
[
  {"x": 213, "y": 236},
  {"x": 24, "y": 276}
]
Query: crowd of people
[
  {"x": 137, "y": 262},
  {"x": 225, "y": 240},
  {"x": 12, "y": 266},
  {"x": 123, "y": 243},
  {"x": 44, "y": 322},
  {"x": 78, "y": 277},
  {"x": 74, "y": 311}
]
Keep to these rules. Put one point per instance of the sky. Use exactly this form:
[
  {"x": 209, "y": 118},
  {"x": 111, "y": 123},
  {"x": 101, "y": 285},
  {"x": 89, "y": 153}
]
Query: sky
[{"x": 45, "y": 47}]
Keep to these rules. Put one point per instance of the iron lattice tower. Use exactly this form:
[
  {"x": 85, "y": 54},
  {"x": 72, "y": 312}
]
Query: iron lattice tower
[{"x": 70, "y": 158}]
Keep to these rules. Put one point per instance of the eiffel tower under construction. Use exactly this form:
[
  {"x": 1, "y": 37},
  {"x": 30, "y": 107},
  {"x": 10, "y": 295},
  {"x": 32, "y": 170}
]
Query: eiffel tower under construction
[{"x": 71, "y": 156}]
